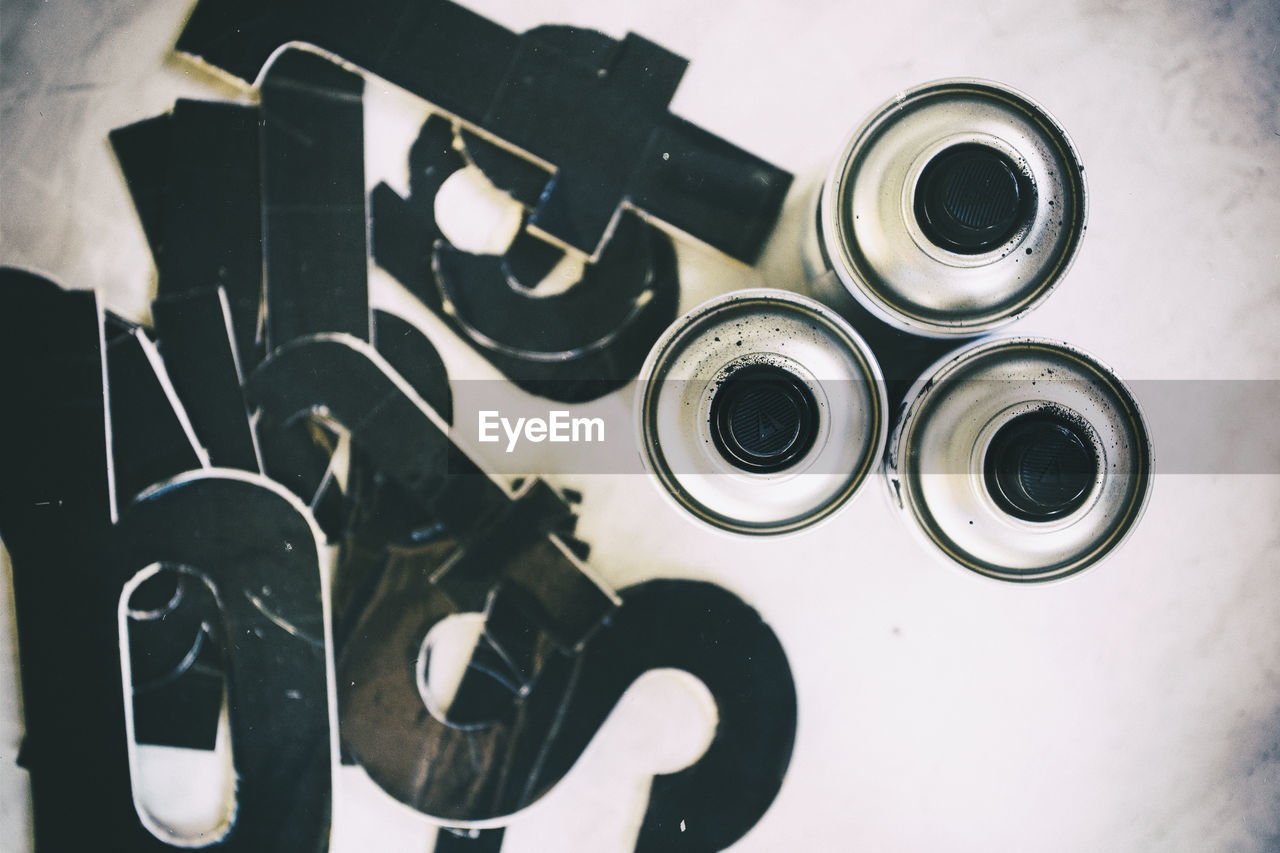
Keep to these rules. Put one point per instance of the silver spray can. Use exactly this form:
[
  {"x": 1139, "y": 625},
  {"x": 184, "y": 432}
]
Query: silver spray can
[
  {"x": 761, "y": 412},
  {"x": 954, "y": 209},
  {"x": 1022, "y": 459}
]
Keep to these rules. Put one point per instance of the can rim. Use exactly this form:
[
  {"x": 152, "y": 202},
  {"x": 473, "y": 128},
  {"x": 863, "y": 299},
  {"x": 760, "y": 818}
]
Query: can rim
[
  {"x": 905, "y": 502},
  {"x": 833, "y": 220},
  {"x": 667, "y": 482}
]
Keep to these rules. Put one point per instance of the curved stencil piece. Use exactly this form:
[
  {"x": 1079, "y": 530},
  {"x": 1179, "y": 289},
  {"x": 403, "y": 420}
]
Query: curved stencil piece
[
  {"x": 347, "y": 380},
  {"x": 467, "y": 772},
  {"x": 573, "y": 346},
  {"x": 258, "y": 550},
  {"x": 71, "y": 568},
  {"x": 712, "y": 634}
]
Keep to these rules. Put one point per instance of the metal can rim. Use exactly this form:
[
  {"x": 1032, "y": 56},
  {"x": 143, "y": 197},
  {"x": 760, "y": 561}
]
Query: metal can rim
[
  {"x": 936, "y": 375},
  {"x": 832, "y": 220},
  {"x": 666, "y": 481}
]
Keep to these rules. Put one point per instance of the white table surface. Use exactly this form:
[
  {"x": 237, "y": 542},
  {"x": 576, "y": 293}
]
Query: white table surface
[{"x": 1135, "y": 707}]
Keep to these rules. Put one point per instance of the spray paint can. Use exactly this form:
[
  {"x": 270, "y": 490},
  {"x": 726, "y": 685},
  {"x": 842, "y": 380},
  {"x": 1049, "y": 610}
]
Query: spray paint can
[
  {"x": 761, "y": 412},
  {"x": 1022, "y": 459},
  {"x": 954, "y": 209}
]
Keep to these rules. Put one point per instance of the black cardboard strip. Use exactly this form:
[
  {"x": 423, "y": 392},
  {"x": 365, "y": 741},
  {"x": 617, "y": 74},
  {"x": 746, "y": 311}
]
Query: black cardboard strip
[
  {"x": 594, "y": 107},
  {"x": 56, "y": 509},
  {"x": 214, "y": 223},
  {"x": 193, "y": 332},
  {"x": 313, "y": 199},
  {"x": 414, "y": 357},
  {"x": 469, "y": 841},
  {"x": 142, "y": 149},
  {"x": 151, "y": 438},
  {"x": 195, "y": 181}
]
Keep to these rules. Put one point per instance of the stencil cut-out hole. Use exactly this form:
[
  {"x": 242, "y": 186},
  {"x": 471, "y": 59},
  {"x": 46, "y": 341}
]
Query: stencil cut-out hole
[
  {"x": 453, "y": 649},
  {"x": 474, "y": 215},
  {"x": 185, "y": 797}
]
